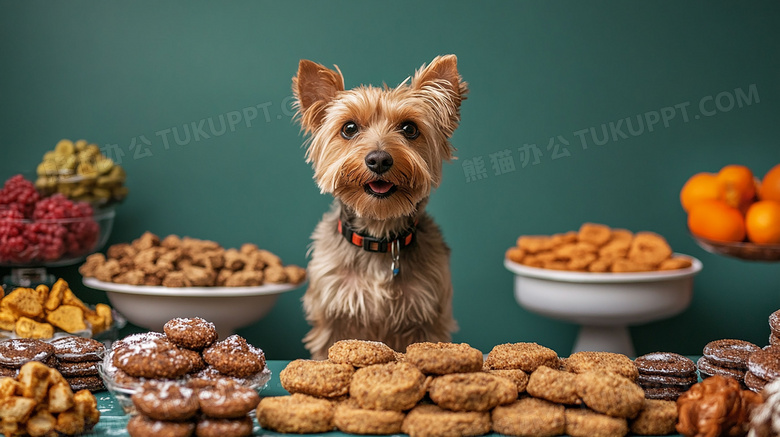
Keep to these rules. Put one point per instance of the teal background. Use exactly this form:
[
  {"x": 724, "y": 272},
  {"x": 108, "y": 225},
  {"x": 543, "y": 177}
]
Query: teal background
[{"x": 114, "y": 72}]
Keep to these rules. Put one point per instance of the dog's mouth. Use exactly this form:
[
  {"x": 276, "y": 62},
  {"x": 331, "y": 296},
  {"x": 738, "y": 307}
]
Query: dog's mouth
[{"x": 380, "y": 188}]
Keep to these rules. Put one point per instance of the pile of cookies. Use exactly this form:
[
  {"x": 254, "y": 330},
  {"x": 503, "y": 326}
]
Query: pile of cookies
[
  {"x": 188, "y": 262},
  {"x": 39, "y": 402},
  {"x": 726, "y": 357},
  {"x": 665, "y": 375},
  {"x": 75, "y": 358},
  {"x": 81, "y": 172},
  {"x": 187, "y": 348},
  {"x": 597, "y": 248},
  {"x": 39, "y": 312},
  {"x": 217, "y": 408},
  {"x": 447, "y": 389}
]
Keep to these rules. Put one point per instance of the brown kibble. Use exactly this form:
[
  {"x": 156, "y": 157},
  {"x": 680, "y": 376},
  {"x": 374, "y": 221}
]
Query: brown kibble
[
  {"x": 176, "y": 279},
  {"x": 245, "y": 278},
  {"x": 295, "y": 274},
  {"x": 515, "y": 254},
  {"x": 146, "y": 241},
  {"x": 275, "y": 274}
]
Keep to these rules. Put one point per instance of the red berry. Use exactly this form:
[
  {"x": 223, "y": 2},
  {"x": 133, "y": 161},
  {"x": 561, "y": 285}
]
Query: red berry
[{"x": 18, "y": 192}]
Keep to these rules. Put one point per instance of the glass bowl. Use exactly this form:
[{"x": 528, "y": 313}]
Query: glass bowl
[
  {"x": 26, "y": 243},
  {"x": 740, "y": 250}
]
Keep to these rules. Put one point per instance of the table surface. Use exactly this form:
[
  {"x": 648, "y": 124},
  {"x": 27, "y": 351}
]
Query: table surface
[{"x": 113, "y": 420}]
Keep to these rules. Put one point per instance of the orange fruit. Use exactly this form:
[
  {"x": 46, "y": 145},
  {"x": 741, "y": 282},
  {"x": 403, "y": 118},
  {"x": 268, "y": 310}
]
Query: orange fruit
[
  {"x": 738, "y": 185},
  {"x": 701, "y": 186},
  {"x": 770, "y": 185},
  {"x": 762, "y": 222},
  {"x": 716, "y": 220}
]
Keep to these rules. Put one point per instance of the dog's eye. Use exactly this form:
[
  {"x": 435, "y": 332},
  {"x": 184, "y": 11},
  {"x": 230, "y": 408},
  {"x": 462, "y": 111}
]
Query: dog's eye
[
  {"x": 349, "y": 130},
  {"x": 409, "y": 129}
]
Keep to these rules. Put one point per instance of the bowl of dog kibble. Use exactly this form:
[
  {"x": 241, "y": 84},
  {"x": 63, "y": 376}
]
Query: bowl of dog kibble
[
  {"x": 603, "y": 279},
  {"x": 152, "y": 280}
]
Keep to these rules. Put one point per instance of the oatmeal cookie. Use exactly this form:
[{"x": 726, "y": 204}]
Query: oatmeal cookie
[
  {"x": 474, "y": 391},
  {"x": 443, "y": 358},
  {"x": 553, "y": 385},
  {"x": 350, "y": 418},
  {"x": 390, "y": 386},
  {"x": 529, "y": 417},
  {"x": 657, "y": 417},
  {"x": 360, "y": 353},
  {"x": 427, "y": 420},
  {"x": 581, "y": 422},
  {"x": 587, "y": 361},
  {"x": 317, "y": 378},
  {"x": 517, "y": 376},
  {"x": 297, "y": 413},
  {"x": 524, "y": 356},
  {"x": 610, "y": 393}
]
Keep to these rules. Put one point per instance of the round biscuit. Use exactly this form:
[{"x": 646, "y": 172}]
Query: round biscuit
[
  {"x": 529, "y": 416},
  {"x": 665, "y": 363},
  {"x": 297, "y": 413},
  {"x": 350, "y": 418},
  {"x": 657, "y": 417},
  {"x": 590, "y": 361},
  {"x": 474, "y": 391},
  {"x": 390, "y": 386},
  {"x": 443, "y": 358},
  {"x": 553, "y": 385},
  {"x": 319, "y": 378},
  {"x": 729, "y": 352},
  {"x": 524, "y": 356},
  {"x": 360, "y": 353},
  {"x": 610, "y": 393},
  {"x": 581, "y": 422},
  {"x": 432, "y": 420}
]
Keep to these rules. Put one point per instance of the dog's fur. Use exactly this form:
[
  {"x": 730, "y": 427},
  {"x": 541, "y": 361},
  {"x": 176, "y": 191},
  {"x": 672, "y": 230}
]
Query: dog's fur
[{"x": 353, "y": 293}]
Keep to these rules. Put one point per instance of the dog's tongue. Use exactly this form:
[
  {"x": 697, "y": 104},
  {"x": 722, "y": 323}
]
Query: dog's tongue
[{"x": 380, "y": 187}]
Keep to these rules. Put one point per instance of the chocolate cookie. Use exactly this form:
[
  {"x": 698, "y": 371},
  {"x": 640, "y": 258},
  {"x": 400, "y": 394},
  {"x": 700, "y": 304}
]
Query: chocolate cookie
[
  {"x": 91, "y": 383},
  {"x": 707, "y": 368},
  {"x": 17, "y": 351},
  {"x": 664, "y": 393},
  {"x": 390, "y": 386},
  {"x": 74, "y": 349},
  {"x": 208, "y": 427},
  {"x": 755, "y": 383},
  {"x": 765, "y": 363},
  {"x": 235, "y": 357},
  {"x": 443, "y": 358},
  {"x": 226, "y": 399},
  {"x": 165, "y": 401},
  {"x": 154, "y": 358},
  {"x": 432, "y": 420},
  {"x": 524, "y": 356},
  {"x": 142, "y": 426},
  {"x": 360, "y": 353},
  {"x": 529, "y": 417},
  {"x": 660, "y": 380},
  {"x": 774, "y": 322},
  {"x": 665, "y": 363},
  {"x": 317, "y": 378},
  {"x": 191, "y": 333},
  {"x": 84, "y": 368},
  {"x": 473, "y": 391},
  {"x": 729, "y": 353}
]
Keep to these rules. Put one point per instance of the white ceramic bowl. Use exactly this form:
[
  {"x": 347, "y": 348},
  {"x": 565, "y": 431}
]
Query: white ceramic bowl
[
  {"x": 229, "y": 308},
  {"x": 604, "y": 304}
]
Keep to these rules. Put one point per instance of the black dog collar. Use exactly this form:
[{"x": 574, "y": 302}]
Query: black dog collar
[{"x": 373, "y": 244}]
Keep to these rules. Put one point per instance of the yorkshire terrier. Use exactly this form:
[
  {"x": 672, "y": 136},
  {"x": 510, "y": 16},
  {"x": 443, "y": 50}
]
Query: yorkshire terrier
[{"x": 379, "y": 267}]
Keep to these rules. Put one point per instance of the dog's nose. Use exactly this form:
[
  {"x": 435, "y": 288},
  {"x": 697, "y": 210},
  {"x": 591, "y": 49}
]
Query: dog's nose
[{"x": 379, "y": 161}]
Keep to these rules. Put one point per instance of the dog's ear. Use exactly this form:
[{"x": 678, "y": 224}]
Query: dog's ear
[
  {"x": 446, "y": 89},
  {"x": 313, "y": 88}
]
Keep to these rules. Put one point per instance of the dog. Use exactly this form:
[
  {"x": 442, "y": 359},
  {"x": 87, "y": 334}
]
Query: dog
[{"x": 379, "y": 266}]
